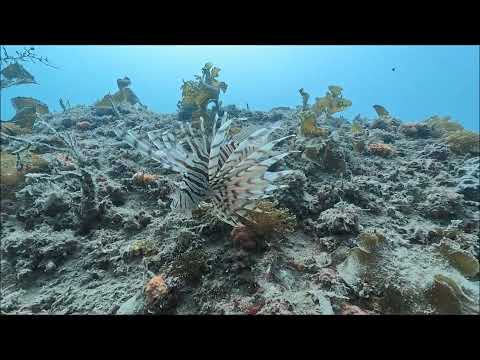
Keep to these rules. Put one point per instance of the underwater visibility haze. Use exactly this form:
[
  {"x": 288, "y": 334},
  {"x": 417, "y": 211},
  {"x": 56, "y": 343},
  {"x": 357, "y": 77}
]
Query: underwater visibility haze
[{"x": 334, "y": 180}]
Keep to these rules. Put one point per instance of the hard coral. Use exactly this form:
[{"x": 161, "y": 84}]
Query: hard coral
[
  {"x": 348, "y": 309},
  {"x": 464, "y": 142},
  {"x": 9, "y": 174},
  {"x": 156, "y": 290},
  {"x": 341, "y": 219},
  {"x": 13, "y": 170},
  {"x": 326, "y": 154},
  {"x": 27, "y": 110},
  {"x": 84, "y": 125},
  {"x": 10, "y": 128},
  {"x": 142, "y": 248},
  {"x": 443, "y": 125},
  {"x": 124, "y": 96},
  {"x": 382, "y": 150},
  {"x": 415, "y": 130},
  {"x": 368, "y": 241},
  {"x": 142, "y": 179}
]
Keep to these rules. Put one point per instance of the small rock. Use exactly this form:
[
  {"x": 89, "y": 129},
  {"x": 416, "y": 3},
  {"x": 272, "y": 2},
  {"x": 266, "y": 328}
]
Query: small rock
[{"x": 132, "y": 306}]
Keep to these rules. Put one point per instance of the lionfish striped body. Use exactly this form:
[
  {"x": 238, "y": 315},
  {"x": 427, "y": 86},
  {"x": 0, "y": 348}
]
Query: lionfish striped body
[{"x": 231, "y": 171}]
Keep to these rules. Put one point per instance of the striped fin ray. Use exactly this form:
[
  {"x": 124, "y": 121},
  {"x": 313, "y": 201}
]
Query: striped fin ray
[
  {"x": 149, "y": 151},
  {"x": 248, "y": 184},
  {"x": 219, "y": 140},
  {"x": 230, "y": 170},
  {"x": 245, "y": 148}
]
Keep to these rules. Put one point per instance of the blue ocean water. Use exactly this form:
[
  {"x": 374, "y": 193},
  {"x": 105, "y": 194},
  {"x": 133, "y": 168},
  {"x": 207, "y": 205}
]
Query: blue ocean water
[{"x": 412, "y": 82}]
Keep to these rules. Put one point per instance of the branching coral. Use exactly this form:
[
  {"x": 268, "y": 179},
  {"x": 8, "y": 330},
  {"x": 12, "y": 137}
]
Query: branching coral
[
  {"x": 14, "y": 73},
  {"x": 89, "y": 212},
  {"x": 332, "y": 102}
]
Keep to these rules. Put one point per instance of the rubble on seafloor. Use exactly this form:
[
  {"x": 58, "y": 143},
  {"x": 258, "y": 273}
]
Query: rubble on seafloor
[{"x": 388, "y": 227}]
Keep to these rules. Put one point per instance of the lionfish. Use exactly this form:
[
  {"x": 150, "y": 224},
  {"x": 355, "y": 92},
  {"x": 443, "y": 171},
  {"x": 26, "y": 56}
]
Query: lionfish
[{"x": 231, "y": 171}]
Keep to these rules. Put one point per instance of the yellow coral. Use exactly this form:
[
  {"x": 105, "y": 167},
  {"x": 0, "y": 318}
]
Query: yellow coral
[
  {"x": 443, "y": 124},
  {"x": 308, "y": 126},
  {"x": 124, "y": 95},
  {"x": 197, "y": 94},
  {"x": 368, "y": 241},
  {"x": 332, "y": 102},
  {"x": 356, "y": 128},
  {"x": 464, "y": 142},
  {"x": 9, "y": 175},
  {"x": 143, "y": 248},
  {"x": 267, "y": 219},
  {"x": 13, "y": 129}
]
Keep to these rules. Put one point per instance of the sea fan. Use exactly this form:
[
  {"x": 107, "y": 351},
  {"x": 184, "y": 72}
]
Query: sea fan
[{"x": 231, "y": 171}]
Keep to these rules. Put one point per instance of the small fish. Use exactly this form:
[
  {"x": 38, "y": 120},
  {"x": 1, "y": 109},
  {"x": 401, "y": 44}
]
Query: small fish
[
  {"x": 393, "y": 69},
  {"x": 381, "y": 111}
]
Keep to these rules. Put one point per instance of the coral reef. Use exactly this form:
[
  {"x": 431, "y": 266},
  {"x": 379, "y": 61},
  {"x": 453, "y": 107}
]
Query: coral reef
[
  {"x": 332, "y": 102},
  {"x": 343, "y": 218},
  {"x": 415, "y": 130},
  {"x": 443, "y": 125},
  {"x": 109, "y": 104},
  {"x": 92, "y": 226},
  {"x": 464, "y": 142},
  {"x": 469, "y": 182}
]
